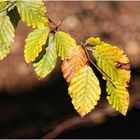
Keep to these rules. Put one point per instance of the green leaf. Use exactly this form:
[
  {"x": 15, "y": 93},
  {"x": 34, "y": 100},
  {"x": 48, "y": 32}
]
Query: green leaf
[
  {"x": 14, "y": 16},
  {"x": 35, "y": 42},
  {"x": 64, "y": 42},
  {"x": 47, "y": 63},
  {"x": 84, "y": 90},
  {"x": 115, "y": 64},
  {"x": 118, "y": 97},
  {"x": 6, "y": 36},
  {"x": 32, "y": 12}
]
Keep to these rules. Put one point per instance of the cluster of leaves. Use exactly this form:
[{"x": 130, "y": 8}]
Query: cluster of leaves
[{"x": 44, "y": 44}]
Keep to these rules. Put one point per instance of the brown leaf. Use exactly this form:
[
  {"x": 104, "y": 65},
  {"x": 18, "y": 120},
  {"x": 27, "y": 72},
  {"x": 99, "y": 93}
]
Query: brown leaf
[{"x": 74, "y": 60}]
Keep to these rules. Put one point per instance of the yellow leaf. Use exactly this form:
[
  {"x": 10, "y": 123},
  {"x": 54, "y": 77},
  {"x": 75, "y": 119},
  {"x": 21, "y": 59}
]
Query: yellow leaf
[
  {"x": 2, "y": 5},
  {"x": 7, "y": 35},
  {"x": 112, "y": 60},
  {"x": 35, "y": 42},
  {"x": 75, "y": 59},
  {"x": 64, "y": 42},
  {"x": 84, "y": 90},
  {"x": 118, "y": 97},
  {"x": 32, "y": 12},
  {"x": 115, "y": 64}
]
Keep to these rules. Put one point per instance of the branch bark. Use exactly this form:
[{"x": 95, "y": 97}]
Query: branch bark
[{"x": 94, "y": 118}]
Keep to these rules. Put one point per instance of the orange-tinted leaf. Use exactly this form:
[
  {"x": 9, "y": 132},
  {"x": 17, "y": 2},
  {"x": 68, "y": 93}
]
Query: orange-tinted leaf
[{"x": 74, "y": 60}]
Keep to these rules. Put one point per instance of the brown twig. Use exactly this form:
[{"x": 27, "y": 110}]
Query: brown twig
[
  {"x": 100, "y": 70},
  {"x": 94, "y": 118},
  {"x": 74, "y": 122}
]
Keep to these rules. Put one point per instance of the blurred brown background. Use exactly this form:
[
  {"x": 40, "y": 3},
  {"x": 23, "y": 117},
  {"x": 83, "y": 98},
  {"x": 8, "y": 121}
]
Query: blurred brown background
[{"x": 30, "y": 108}]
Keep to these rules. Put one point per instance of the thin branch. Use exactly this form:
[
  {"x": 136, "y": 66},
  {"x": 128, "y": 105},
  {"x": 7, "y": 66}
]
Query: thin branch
[
  {"x": 51, "y": 21},
  {"x": 74, "y": 122},
  {"x": 86, "y": 51},
  {"x": 81, "y": 43},
  {"x": 90, "y": 48},
  {"x": 64, "y": 126},
  {"x": 94, "y": 118},
  {"x": 100, "y": 70}
]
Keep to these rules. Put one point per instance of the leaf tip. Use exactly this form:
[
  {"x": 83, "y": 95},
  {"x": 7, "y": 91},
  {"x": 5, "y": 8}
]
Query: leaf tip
[
  {"x": 82, "y": 113},
  {"x": 124, "y": 113},
  {"x": 27, "y": 60}
]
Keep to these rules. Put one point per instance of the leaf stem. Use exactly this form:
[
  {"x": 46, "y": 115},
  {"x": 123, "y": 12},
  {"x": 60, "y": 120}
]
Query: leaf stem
[
  {"x": 53, "y": 26},
  {"x": 99, "y": 69},
  {"x": 51, "y": 21},
  {"x": 81, "y": 43}
]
